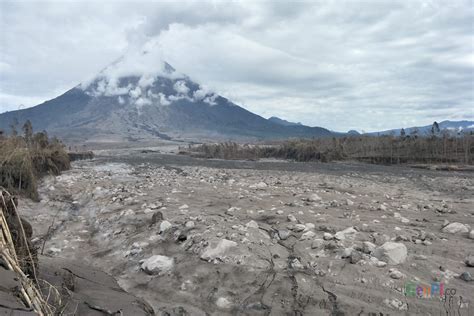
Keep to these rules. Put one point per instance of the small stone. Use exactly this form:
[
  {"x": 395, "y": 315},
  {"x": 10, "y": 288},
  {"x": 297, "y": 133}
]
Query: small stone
[
  {"x": 455, "y": 228},
  {"x": 395, "y": 274},
  {"x": 348, "y": 233},
  {"x": 381, "y": 264},
  {"x": 420, "y": 257},
  {"x": 252, "y": 224},
  {"x": 471, "y": 234},
  {"x": 349, "y": 202},
  {"x": 317, "y": 243},
  {"x": 156, "y": 218},
  {"x": 189, "y": 224},
  {"x": 129, "y": 213},
  {"x": 218, "y": 250},
  {"x": 330, "y": 245},
  {"x": 283, "y": 234},
  {"x": 368, "y": 247},
  {"x": 355, "y": 257},
  {"x": 261, "y": 185},
  {"x": 309, "y": 226},
  {"x": 224, "y": 303},
  {"x": 346, "y": 252},
  {"x": 427, "y": 242},
  {"x": 279, "y": 212},
  {"x": 296, "y": 264},
  {"x": 469, "y": 261},
  {"x": 466, "y": 276},
  {"x": 299, "y": 227},
  {"x": 314, "y": 198},
  {"x": 154, "y": 206},
  {"x": 164, "y": 226},
  {"x": 308, "y": 235},
  {"x": 396, "y": 304},
  {"x": 327, "y": 236},
  {"x": 291, "y": 218}
]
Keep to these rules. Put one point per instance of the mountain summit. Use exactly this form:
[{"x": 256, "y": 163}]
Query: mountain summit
[{"x": 139, "y": 97}]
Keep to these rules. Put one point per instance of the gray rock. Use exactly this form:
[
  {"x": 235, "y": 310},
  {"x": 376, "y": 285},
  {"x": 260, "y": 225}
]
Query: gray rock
[
  {"x": 157, "y": 264},
  {"x": 164, "y": 226},
  {"x": 328, "y": 236},
  {"x": 348, "y": 233},
  {"x": 252, "y": 224},
  {"x": 190, "y": 224},
  {"x": 471, "y": 234},
  {"x": 283, "y": 234},
  {"x": 299, "y": 227},
  {"x": 392, "y": 253},
  {"x": 314, "y": 198},
  {"x": 396, "y": 304},
  {"x": 317, "y": 243},
  {"x": 218, "y": 250},
  {"x": 395, "y": 274},
  {"x": 368, "y": 247},
  {"x": 346, "y": 252},
  {"x": 455, "y": 228},
  {"x": 308, "y": 235},
  {"x": 355, "y": 257},
  {"x": 466, "y": 276}
]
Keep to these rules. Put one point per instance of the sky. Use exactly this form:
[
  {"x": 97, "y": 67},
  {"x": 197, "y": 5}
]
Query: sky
[{"x": 365, "y": 65}]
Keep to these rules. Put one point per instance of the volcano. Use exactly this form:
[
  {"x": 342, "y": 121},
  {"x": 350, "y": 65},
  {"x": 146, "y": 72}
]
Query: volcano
[{"x": 141, "y": 97}]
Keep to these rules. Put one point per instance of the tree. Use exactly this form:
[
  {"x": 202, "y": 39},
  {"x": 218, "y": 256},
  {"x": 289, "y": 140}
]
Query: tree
[
  {"x": 13, "y": 127},
  {"x": 402, "y": 133},
  {"x": 28, "y": 131},
  {"x": 435, "y": 129}
]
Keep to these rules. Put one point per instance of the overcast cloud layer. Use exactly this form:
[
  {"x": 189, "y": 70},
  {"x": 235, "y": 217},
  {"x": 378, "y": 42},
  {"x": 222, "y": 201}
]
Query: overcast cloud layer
[{"x": 365, "y": 65}]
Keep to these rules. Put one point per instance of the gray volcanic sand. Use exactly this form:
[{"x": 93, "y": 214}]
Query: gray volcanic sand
[{"x": 248, "y": 238}]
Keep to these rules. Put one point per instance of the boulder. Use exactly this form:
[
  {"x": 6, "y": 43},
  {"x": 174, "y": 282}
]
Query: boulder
[
  {"x": 157, "y": 264},
  {"x": 391, "y": 252},
  {"x": 455, "y": 228},
  {"x": 348, "y": 233},
  {"x": 218, "y": 250}
]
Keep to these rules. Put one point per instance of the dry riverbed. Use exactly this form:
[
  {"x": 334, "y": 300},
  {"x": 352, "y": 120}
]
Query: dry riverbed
[{"x": 273, "y": 238}]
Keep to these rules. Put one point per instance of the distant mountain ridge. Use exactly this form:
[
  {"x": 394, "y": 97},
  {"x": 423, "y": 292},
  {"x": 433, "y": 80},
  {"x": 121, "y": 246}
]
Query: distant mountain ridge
[
  {"x": 450, "y": 127},
  {"x": 138, "y": 98},
  {"x": 280, "y": 121}
]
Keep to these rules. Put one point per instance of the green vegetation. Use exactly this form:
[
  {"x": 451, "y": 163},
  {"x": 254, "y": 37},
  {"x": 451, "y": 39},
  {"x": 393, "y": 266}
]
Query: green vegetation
[
  {"x": 23, "y": 159},
  {"x": 372, "y": 149}
]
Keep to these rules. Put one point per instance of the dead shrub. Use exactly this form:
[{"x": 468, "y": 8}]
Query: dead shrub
[
  {"x": 23, "y": 159},
  {"x": 372, "y": 149}
]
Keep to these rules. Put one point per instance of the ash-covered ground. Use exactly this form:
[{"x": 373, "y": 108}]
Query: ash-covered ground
[{"x": 209, "y": 237}]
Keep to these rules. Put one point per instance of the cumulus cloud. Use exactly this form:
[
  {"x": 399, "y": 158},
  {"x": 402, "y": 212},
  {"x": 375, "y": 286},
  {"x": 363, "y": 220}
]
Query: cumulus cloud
[
  {"x": 339, "y": 64},
  {"x": 180, "y": 87},
  {"x": 163, "y": 100}
]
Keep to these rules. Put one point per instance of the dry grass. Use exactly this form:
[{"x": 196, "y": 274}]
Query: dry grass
[
  {"x": 382, "y": 149},
  {"x": 23, "y": 160},
  {"x": 19, "y": 256}
]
